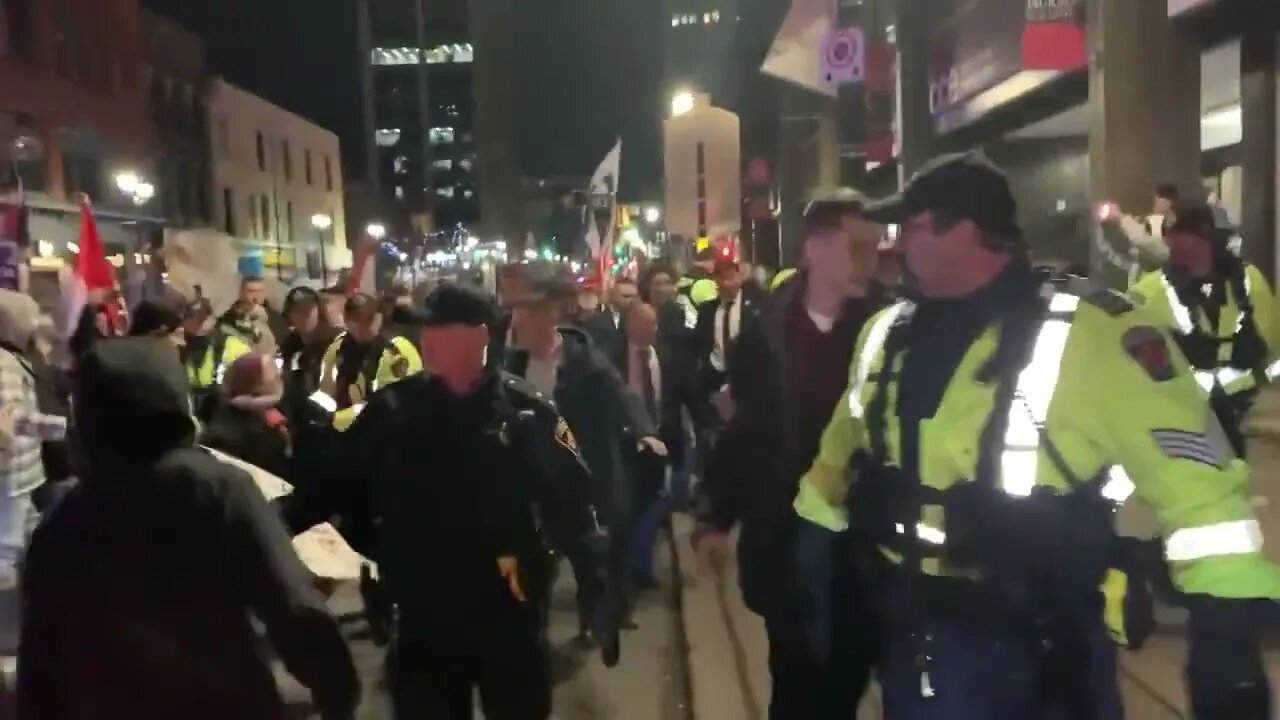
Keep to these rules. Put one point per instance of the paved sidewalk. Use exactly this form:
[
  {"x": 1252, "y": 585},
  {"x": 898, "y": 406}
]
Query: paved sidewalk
[{"x": 728, "y": 651}]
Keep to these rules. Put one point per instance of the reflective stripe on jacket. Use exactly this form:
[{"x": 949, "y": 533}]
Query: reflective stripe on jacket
[
  {"x": 399, "y": 360},
  {"x": 1151, "y": 432},
  {"x": 208, "y": 371},
  {"x": 1160, "y": 299}
]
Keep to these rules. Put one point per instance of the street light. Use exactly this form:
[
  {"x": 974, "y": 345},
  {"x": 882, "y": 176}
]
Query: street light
[
  {"x": 322, "y": 223},
  {"x": 681, "y": 103},
  {"x": 652, "y": 214},
  {"x": 376, "y": 230}
]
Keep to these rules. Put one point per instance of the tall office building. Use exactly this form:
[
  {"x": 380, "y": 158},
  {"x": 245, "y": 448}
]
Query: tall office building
[
  {"x": 701, "y": 49},
  {"x": 419, "y": 112}
]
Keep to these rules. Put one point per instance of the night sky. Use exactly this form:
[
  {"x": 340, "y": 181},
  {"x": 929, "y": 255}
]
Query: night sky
[{"x": 591, "y": 70}]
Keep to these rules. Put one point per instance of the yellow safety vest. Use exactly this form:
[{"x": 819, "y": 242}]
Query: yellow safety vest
[
  {"x": 1106, "y": 415},
  {"x": 399, "y": 360},
  {"x": 1160, "y": 298},
  {"x": 208, "y": 370}
]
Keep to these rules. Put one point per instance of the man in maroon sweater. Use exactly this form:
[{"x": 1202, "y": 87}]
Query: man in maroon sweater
[{"x": 786, "y": 375}]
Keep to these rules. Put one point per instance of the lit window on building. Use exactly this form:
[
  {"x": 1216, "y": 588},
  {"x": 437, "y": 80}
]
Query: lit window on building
[
  {"x": 706, "y": 18},
  {"x": 441, "y": 135},
  {"x": 441, "y": 54},
  {"x": 386, "y": 137},
  {"x": 675, "y": 21},
  {"x": 445, "y": 164},
  {"x": 400, "y": 165},
  {"x": 467, "y": 194},
  {"x": 399, "y": 192},
  {"x": 467, "y": 163},
  {"x": 715, "y": 16},
  {"x": 446, "y": 191}
]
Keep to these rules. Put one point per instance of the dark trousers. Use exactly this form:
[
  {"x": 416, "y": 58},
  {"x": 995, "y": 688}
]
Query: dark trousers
[
  {"x": 1225, "y": 673},
  {"x": 434, "y": 680},
  {"x": 821, "y": 662}
]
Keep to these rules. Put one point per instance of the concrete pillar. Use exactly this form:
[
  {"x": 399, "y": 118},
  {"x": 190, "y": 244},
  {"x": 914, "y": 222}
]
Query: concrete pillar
[
  {"x": 1259, "y": 75},
  {"x": 1144, "y": 103},
  {"x": 915, "y": 121}
]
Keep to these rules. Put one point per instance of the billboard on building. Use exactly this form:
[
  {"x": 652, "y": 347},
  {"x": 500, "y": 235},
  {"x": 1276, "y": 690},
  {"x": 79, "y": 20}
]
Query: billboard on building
[{"x": 989, "y": 52}]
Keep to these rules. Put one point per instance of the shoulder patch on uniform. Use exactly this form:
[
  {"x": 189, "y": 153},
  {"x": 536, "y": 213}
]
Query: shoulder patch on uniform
[
  {"x": 565, "y": 437},
  {"x": 1148, "y": 347},
  {"x": 400, "y": 366},
  {"x": 1110, "y": 302}
]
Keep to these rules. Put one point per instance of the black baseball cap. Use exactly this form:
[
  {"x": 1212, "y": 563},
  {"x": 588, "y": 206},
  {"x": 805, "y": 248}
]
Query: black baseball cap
[
  {"x": 457, "y": 304},
  {"x": 963, "y": 186}
]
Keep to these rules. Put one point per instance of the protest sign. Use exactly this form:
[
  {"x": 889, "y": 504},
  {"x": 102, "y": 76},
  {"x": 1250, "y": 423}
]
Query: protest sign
[{"x": 321, "y": 548}]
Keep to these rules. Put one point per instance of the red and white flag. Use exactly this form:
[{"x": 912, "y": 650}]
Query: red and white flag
[
  {"x": 92, "y": 272},
  {"x": 363, "y": 275}
]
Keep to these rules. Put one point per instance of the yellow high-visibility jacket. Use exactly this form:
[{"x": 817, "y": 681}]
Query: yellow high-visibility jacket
[
  {"x": 207, "y": 370},
  {"x": 1151, "y": 430},
  {"x": 399, "y": 360},
  {"x": 1157, "y": 295}
]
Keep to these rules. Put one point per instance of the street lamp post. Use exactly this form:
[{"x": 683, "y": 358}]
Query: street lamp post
[
  {"x": 322, "y": 223},
  {"x": 139, "y": 191}
]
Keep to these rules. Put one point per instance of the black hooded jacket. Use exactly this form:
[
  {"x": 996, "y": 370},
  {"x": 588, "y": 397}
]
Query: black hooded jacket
[{"x": 138, "y": 588}]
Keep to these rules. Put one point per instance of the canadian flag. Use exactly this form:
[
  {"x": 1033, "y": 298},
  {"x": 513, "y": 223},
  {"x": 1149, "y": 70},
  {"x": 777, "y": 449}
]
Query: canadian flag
[{"x": 92, "y": 272}]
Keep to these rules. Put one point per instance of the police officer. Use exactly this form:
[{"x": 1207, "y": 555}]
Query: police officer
[
  {"x": 1218, "y": 309},
  {"x": 208, "y": 351},
  {"x": 363, "y": 359},
  {"x": 697, "y": 287},
  {"x": 470, "y": 477},
  {"x": 988, "y": 419}
]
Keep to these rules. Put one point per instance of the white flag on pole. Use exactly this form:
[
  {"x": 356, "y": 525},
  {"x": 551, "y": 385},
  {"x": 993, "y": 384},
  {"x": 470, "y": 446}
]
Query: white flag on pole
[
  {"x": 604, "y": 183},
  {"x": 796, "y": 53}
]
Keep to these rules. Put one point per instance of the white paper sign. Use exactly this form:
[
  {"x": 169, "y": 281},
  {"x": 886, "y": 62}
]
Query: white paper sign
[{"x": 321, "y": 548}]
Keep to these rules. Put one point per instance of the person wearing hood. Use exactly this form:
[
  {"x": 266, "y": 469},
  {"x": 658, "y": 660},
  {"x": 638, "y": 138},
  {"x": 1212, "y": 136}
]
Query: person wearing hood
[
  {"x": 246, "y": 420},
  {"x": 366, "y": 357},
  {"x": 1218, "y": 308},
  {"x": 139, "y": 589},
  {"x": 23, "y": 428},
  {"x": 608, "y": 419}
]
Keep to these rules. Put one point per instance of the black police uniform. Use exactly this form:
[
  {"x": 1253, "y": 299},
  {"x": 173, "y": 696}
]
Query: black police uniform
[{"x": 443, "y": 490}]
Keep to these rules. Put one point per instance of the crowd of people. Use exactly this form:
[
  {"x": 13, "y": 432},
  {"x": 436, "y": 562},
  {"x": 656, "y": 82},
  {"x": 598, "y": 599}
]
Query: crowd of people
[{"x": 925, "y": 476}]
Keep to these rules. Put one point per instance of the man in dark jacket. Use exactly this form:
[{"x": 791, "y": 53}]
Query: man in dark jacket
[
  {"x": 786, "y": 374},
  {"x": 139, "y": 587},
  {"x": 609, "y": 421},
  {"x": 463, "y": 478}
]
